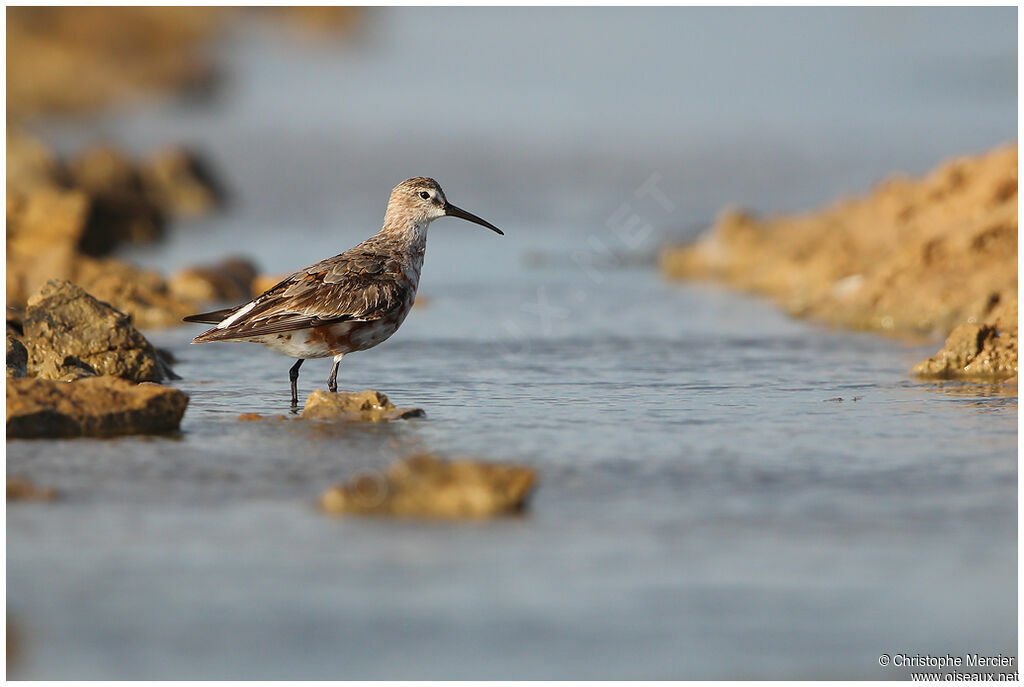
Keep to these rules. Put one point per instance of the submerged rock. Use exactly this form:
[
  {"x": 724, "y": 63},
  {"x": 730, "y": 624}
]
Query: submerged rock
[
  {"x": 70, "y": 334},
  {"x": 21, "y": 489},
  {"x": 426, "y": 486},
  {"x": 256, "y": 417},
  {"x": 94, "y": 406},
  {"x": 355, "y": 406}
]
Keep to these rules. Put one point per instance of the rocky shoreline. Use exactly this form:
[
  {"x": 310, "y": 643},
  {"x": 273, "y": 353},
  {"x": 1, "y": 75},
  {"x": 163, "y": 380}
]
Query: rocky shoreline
[
  {"x": 66, "y": 217},
  {"x": 933, "y": 256},
  {"x": 78, "y": 367}
]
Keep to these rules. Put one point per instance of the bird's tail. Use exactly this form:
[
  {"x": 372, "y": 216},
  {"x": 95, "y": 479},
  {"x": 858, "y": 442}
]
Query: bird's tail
[{"x": 212, "y": 317}]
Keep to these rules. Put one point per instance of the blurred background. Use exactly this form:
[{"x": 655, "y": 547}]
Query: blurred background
[
  {"x": 702, "y": 512},
  {"x": 556, "y": 115}
]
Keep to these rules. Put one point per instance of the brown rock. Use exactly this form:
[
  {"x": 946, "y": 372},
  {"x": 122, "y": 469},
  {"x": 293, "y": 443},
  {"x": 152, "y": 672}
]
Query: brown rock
[
  {"x": 103, "y": 169},
  {"x": 74, "y": 58},
  {"x": 69, "y": 334},
  {"x": 182, "y": 183},
  {"x": 94, "y": 406},
  {"x": 30, "y": 164},
  {"x": 230, "y": 280},
  {"x": 21, "y": 489},
  {"x": 354, "y": 406},
  {"x": 121, "y": 210},
  {"x": 44, "y": 217},
  {"x": 425, "y": 486},
  {"x": 60, "y": 232},
  {"x": 17, "y": 358},
  {"x": 984, "y": 352},
  {"x": 142, "y": 294},
  {"x": 15, "y": 318},
  {"x": 911, "y": 257},
  {"x": 44, "y": 229},
  {"x": 47, "y": 231}
]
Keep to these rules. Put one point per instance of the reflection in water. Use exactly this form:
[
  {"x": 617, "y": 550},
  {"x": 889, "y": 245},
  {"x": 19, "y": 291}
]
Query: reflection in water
[{"x": 984, "y": 396}]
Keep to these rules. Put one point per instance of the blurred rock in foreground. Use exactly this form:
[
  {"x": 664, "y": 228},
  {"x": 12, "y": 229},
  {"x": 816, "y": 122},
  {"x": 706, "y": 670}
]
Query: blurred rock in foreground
[
  {"x": 915, "y": 256},
  {"x": 428, "y": 487},
  {"x": 93, "y": 406},
  {"x": 355, "y": 406}
]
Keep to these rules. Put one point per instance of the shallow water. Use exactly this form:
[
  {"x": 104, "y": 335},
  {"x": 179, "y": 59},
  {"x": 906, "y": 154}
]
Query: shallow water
[{"x": 707, "y": 507}]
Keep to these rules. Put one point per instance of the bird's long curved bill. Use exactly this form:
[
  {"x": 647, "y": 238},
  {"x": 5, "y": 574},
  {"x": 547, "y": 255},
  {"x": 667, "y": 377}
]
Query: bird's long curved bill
[{"x": 452, "y": 211}]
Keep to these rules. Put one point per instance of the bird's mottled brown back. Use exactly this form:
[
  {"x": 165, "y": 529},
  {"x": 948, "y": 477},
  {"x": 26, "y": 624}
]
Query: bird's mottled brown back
[{"x": 367, "y": 282}]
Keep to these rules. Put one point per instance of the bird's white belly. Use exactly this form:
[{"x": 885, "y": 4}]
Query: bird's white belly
[{"x": 332, "y": 340}]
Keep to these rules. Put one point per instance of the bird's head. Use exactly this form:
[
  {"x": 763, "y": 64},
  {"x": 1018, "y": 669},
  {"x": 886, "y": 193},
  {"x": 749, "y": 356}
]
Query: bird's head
[{"x": 421, "y": 201}]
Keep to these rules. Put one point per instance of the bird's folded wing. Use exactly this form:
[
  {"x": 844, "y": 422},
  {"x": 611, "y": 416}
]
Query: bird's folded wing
[{"x": 307, "y": 299}]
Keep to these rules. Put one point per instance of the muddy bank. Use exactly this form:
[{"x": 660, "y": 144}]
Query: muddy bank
[{"x": 912, "y": 257}]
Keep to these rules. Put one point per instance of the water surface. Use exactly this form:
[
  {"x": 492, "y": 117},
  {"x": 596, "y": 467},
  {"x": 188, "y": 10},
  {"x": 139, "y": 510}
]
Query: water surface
[{"x": 707, "y": 507}]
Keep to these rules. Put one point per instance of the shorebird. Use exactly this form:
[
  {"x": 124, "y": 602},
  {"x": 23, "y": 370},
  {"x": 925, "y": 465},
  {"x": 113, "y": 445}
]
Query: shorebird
[{"x": 347, "y": 303}]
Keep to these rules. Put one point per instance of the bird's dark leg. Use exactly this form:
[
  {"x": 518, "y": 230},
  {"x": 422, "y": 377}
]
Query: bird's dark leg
[
  {"x": 293, "y": 375},
  {"x": 332, "y": 381}
]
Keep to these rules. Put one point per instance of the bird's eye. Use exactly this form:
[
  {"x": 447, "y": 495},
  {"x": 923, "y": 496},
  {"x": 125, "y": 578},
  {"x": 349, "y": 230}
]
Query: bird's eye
[{"x": 424, "y": 195}]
